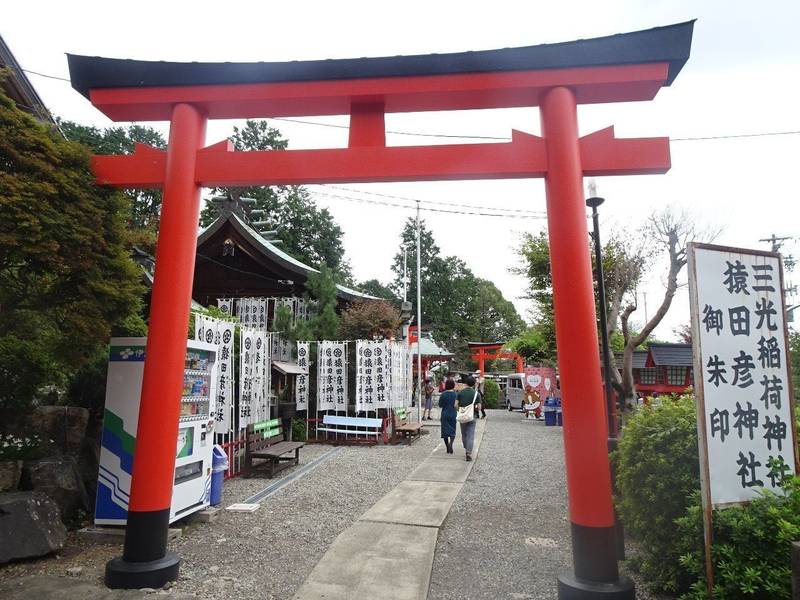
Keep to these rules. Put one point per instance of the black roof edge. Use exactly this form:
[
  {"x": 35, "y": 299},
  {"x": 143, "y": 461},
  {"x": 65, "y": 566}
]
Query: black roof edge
[{"x": 669, "y": 43}]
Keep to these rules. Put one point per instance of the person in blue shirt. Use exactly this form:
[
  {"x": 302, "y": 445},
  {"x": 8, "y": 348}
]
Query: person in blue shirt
[{"x": 447, "y": 402}]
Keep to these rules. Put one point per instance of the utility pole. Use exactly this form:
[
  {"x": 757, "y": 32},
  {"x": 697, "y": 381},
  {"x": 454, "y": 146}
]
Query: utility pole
[
  {"x": 646, "y": 319},
  {"x": 419, "y": 319},
  {"x": 776, "y": 242},
  {"x": 405, "y": 274}
]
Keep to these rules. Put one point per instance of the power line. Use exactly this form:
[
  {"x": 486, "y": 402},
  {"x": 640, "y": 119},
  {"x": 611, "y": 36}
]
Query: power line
[
  {"x": 413, "y": 133},
  {"x": 43, "y": 75},
  {"x": 436, "y": 202},
  {"x": 428, "y": 209},
  {"x": 480, "y": 137},
  {"x": 734, "y": 136}
]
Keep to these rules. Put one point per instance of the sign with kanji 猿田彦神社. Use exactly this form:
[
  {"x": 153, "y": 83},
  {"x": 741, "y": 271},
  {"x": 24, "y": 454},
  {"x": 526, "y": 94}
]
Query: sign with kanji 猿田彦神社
[{"x": 742, "y": 378}]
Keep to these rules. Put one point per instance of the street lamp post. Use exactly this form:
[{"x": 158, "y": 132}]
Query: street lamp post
[
  {"x": 419, "y": 319},
  {"x": 593, "y": 203},
  {"x": 613, "y": 429}
]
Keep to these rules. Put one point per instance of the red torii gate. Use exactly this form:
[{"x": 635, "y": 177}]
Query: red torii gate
[
  {"x": 555, "y": 77},
  {"x": 483, "y": 351}
]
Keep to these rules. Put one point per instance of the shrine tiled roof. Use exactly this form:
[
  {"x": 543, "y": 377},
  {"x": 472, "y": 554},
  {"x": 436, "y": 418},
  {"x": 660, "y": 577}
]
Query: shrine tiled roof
[
  {"x": 671, "y": 355},
  {"x": 274, "y": 253}
]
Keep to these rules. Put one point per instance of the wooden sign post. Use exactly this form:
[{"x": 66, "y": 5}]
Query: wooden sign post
[{"x": 745, "y": 413}]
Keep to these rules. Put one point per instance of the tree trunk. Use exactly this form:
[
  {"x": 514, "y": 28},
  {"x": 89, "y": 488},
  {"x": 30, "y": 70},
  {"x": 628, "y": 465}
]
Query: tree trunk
[{"x": 677, "y": 260}]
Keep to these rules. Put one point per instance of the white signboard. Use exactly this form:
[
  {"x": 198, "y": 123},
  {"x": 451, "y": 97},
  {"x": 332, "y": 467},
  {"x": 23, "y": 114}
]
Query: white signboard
[
  {"x": 742, "y": 380},
  {"x": 301, "y": 384},
  {"x": 246, "y": 363},
  {"x": 373, "y": 375},
  {"x": 222, "y": 407},
  {"x": 261, "y": 364},
  {"x": 332, "y": 376},
  {"x": 225, "y": 305}
]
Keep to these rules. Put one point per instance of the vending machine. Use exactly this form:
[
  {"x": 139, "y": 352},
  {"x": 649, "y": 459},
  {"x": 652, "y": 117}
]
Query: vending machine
[{"x": 195, "y": 430}]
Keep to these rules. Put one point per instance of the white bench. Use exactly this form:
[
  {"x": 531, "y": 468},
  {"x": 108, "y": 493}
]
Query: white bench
[{"x": 352, "y": 426}]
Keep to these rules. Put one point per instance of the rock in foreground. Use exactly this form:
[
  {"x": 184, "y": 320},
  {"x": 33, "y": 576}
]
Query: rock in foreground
[{"x": 30, "y": 525}]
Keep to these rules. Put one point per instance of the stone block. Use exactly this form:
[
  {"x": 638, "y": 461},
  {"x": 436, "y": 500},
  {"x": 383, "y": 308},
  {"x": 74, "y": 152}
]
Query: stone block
[
  {"x": 10, "y": 473},
  {"x": 59, "y": 478},
  {"x": 65, "y": 425},
  {"x": 30, "y": 525}
]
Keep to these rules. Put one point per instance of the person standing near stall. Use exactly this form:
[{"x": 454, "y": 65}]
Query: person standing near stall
[
  {"x": 447, "y": 402},
  {"x": 480, "y": 385}
]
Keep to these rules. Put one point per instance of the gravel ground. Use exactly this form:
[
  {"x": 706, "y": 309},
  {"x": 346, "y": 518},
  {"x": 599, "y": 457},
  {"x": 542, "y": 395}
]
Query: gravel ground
[
  {"x": 509, "y": 525},
  {"x": 269, "y": 553}
]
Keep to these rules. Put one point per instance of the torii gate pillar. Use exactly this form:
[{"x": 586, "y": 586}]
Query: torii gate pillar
[
  {"x": 588, "y": 476},
  {"x": 145, "y": 561}
]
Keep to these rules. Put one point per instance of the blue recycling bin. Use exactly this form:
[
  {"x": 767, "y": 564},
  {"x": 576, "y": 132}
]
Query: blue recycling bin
[
  {"x": 559, "y": 414},
  {"x": 219, "y": 464},
  {"x": 550, "y": 411}
]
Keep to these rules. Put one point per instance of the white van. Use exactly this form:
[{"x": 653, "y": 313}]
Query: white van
[{"x": 515, "y": 391}]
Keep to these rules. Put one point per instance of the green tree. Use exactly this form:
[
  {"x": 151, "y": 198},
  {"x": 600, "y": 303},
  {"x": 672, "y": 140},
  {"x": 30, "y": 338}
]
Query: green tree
[
  {"x": 324, "y": 324},
  {"x": 531, "y": 345},
  {"x": 65, "y": 275},
  {"x": 310, "y": 234},
  {"x": 458, "y": 306},
  {"x": 534, "y": 253},
  {"x": 373, "y": 287},
  {"x": 145, "y": 205},
  {"x": 499, "y": 319},
  {"x": 625, "y": 259}
]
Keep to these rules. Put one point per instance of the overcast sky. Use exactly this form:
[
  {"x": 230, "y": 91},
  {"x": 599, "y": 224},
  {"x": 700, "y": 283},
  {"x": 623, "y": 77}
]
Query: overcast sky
[{"x": 742, "y": 77}]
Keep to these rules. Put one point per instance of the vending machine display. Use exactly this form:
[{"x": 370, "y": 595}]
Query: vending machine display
[{"x": 195, "y": 430}]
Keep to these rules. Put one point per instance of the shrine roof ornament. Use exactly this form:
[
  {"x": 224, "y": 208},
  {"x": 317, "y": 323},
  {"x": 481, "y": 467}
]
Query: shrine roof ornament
[{"x": 450, "y": 74}]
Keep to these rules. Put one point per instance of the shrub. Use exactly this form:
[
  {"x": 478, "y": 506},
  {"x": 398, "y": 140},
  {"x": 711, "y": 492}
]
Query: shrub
[
  {"x": 491, "y": 393},
  {"x": 657, "y": 474},
  {"x": 298, "y": 430},
  {"x": 752, "y": 547}
]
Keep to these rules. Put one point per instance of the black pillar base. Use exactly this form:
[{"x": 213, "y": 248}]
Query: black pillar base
[
  {"x": 572, "y": 588},
  {"x": 124, "y": 574}
]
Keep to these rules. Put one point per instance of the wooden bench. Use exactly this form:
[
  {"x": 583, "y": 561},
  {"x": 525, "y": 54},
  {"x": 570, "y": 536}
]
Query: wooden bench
[
  {"x": 404, "y": 428},
  {"x": 265, "y": 440},
  {"x": 353, "y": 429}
]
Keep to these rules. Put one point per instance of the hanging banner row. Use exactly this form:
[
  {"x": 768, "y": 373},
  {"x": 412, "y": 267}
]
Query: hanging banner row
[
  {"x": 254, "y": 374},
  {"x": 255, "y": 312},
  {"x": 383, "y": 375}
]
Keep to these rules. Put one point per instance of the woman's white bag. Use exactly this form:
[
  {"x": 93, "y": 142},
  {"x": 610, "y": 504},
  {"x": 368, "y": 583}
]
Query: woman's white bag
[{"x": 466, "y": 414}]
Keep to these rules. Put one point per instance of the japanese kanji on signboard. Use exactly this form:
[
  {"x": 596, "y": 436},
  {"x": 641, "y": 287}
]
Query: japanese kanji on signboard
[
  {"x": 302, "y": 382},
  {"x": 742, "y": 379}
]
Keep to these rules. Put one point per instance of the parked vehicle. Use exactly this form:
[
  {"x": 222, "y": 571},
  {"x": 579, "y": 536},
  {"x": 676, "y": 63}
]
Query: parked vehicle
[{"x": 515, "y": 391}]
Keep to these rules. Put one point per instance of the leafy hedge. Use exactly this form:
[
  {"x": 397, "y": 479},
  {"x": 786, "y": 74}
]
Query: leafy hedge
[
  {"x": 752, "y": 547},
  {"x": 659, "y": 503},
  {"x": 491, "y": 393},
  {"x": 657, "y": 473}
]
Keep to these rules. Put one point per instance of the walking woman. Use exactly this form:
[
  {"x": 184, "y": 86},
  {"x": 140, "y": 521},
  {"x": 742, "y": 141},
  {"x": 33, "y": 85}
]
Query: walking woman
[
  {"x": 427, "y": 391},
  {"x": 469, "y": 402},
  {"x": 447, "y": 402}
]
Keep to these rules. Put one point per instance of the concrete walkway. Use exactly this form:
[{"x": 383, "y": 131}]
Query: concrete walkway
[{"x": 388, "y": 552}]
